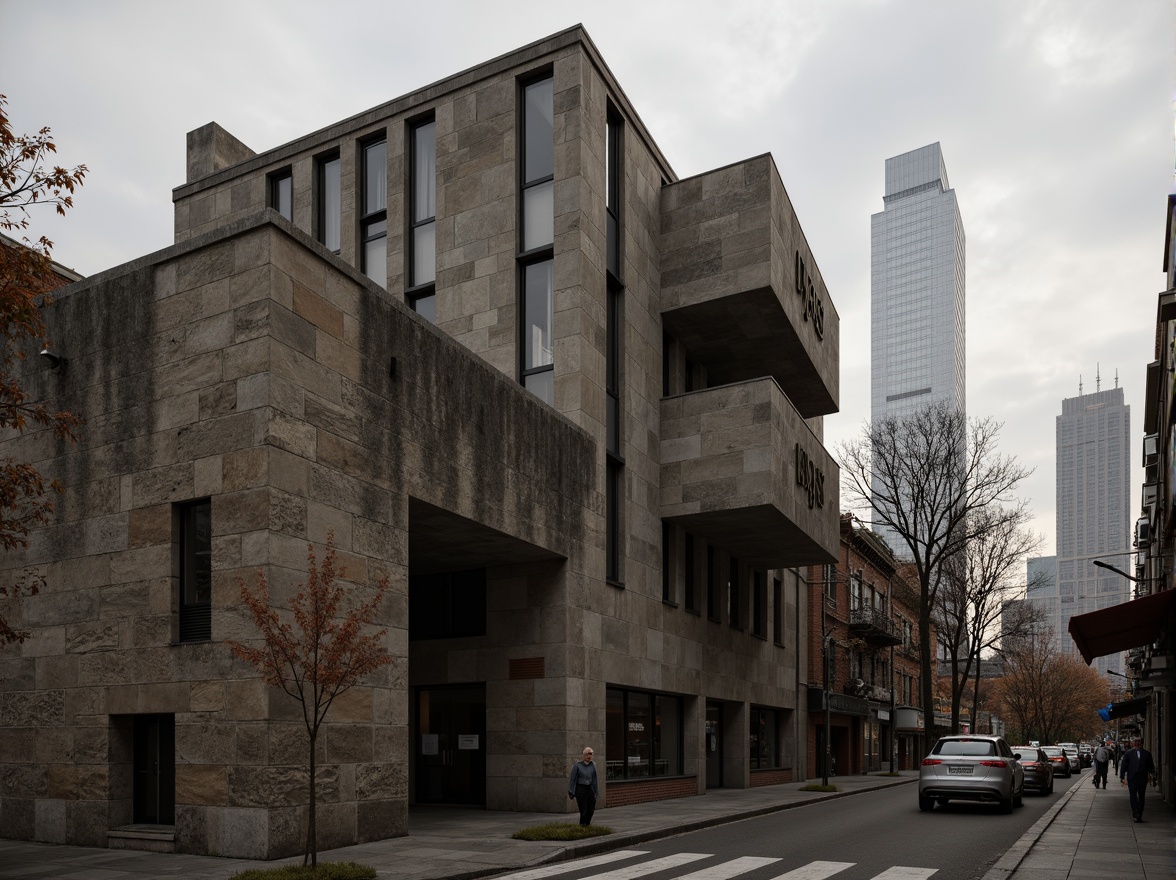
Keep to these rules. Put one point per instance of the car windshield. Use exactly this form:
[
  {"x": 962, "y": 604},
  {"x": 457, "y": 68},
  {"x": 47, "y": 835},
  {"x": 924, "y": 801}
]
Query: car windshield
[
  {"x": 1052, "y": 750},
  {"x": 966, "y": 747}
]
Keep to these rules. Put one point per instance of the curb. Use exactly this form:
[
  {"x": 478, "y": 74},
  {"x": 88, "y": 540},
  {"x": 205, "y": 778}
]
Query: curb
[
  {"x": 1007, "y": 865},
  {"x": 610, "y": 842}
]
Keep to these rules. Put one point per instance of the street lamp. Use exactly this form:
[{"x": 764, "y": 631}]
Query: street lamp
[{"x": 1110, "y": 567}]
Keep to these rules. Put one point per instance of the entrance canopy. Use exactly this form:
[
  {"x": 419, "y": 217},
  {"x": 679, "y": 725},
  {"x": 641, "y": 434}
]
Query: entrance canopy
[
  {"x": 1120, "y": 627},
  {"x": 1124, "y": 708}
]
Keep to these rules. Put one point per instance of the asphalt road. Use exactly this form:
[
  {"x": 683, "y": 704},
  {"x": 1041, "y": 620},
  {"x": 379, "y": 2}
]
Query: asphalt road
[{"x": 869, "y": 836}]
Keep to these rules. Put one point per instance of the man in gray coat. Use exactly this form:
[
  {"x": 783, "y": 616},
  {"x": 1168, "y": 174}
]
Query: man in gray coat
[{"x": 582, "y": 787}]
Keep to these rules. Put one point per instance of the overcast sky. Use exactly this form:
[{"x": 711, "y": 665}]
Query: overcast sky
[{"x": 1055, "y": 117}]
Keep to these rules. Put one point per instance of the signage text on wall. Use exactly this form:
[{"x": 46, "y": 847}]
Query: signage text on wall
[
  {"x": 814, "y": 306},
  {"x": 810, "y": 477}
]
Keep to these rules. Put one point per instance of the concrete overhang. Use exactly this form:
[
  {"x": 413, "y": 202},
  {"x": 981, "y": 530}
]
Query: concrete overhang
[{"x": 741, "y": 468}]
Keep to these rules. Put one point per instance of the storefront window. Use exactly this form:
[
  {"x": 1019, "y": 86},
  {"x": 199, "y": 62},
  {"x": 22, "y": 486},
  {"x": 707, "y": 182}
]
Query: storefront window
[
  {"x": 643, "y": 734},
  {"x": 765, "y": 751}
]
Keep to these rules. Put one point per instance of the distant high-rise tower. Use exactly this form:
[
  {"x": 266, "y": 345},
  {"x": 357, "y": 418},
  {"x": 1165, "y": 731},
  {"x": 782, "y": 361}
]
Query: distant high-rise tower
[
  {"x": 916, "y": 293},
  {"x": 1093, "y": 508}
]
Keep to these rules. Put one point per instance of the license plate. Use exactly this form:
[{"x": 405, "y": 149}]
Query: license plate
[{"x": 959, "y": 769}]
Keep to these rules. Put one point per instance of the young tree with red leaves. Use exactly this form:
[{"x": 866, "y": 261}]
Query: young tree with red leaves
[
  {"x": 26, "y": 277},
  {"x": 323, "y": 655}
]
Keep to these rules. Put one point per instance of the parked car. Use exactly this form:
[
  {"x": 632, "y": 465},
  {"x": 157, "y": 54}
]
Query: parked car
[
  {"x": 1039, "y": 772},
  {"x": 1072, "y": 756},
  {"x": 1057, "y": 758},
  {"x": 972, "y": 768},
  {"x": 1085, "y": 755}
]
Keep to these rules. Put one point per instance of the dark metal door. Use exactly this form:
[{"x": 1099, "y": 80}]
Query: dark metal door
[{"x": 153, "y": 761}]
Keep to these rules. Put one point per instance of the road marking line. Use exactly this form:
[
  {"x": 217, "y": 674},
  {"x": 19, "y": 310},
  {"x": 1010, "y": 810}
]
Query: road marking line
[
  {"x": 733, "y": 868},
  {"x": 566, "y": 867},
  {"x": 816, "y": 871},
  {"x": 900, "y": 873},
  {"x": 662, "y": 864}
]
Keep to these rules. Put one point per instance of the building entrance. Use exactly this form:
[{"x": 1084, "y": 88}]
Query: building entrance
[
  {"x": 153, "y": 763},
  {"x": 451, "y": 745},
  {"x": 714, "y": 745}
]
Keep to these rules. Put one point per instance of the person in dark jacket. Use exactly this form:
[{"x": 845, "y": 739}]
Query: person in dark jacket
[
  {"x": 582, "y": 786},
  {"x": 1102, "y": 757},
  {"x": 1135, "y": 771}
]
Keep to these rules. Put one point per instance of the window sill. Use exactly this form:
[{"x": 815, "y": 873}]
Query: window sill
[{"x": 620, "y": 585}]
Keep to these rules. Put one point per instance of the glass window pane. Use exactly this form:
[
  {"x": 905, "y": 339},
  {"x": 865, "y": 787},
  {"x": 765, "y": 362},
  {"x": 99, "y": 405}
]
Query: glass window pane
[
  {"x": 538, "y": 215},
  {"x": 667, "y": 745},
  {"x": 424, "y": 254},
  {"x": 424, "y": 172},
  {"x": 539, "y": 297},
  {"x": 197, "y": 553},
  {"x": 375, "y": 260},
  {"x": 426, "y": 307},
  {"x": 542, "y": 385},
  {"x": 638, "y": 736},
  {"x": 283, "y": 196},
  {"x": 539, "y": 144},
  {"x": 331, "y": 205},
  {"x": 375, "y": 177},
  {"x": 614, "y": 734}
]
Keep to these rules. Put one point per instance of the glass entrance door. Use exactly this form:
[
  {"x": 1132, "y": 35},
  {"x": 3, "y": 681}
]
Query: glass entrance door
[
  {"x": 451, "y": 745},
  {"x": 714, "y": 745}
]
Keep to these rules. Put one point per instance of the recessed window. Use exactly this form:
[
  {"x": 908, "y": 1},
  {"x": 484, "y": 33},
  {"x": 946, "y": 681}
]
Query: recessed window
[
  {"x": 447, "y": 605},
  {"x": 424, "y": 204},
  {"x": 689, "y": 576},
  {"x": 538, "y": 164},
  {"x": 330, "y": 202},
  {"x": 733, "y": 595},
  {"x": 777, "y": 612},
  {"x": 759, "y": 605},
  {"x": 425, "y": 305},
  {"x": 281, "y": 193},
  {"x": 195, "y": 552},
  {"x": 373, "y": 222},
  {"x": 765, "y": 739},
  {"x": 643, "y": 734},
  {"x": 538, "y": 303}
]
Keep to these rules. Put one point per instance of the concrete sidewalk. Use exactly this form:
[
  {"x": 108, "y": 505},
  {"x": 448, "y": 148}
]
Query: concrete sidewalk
[
  {"x": 459, "y": 844},
  {"x": 1089, "y": 833}
]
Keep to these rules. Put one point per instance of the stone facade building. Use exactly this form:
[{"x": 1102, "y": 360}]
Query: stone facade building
[
  {"x": 568, "y": 404},
  {"x": 865, "y": 610}
]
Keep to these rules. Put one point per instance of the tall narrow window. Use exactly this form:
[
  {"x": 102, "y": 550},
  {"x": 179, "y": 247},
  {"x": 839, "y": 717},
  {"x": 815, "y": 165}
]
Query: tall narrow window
[
  {"x": 281, "y": 193},
  {"x": 423, "y": 253},
  {"x": 195, "y": 603},
  {"x": 373, "y": 221},
  {"x": 612, "y": 201},
  {"x": 733, "y": 595},
  {"x": 689, "y": 581},
  {"x": 614, "y": 496},
  {"x": 330, "y": 202},
  {"x": 712, "y": 583},
  {"x": 537, "y": 367},
  {"x": 777, "y": 612},
  {"x": 667, "y": 568},
  {"x": 613, "y": 353},
  {"x": 759, "y": 605}
]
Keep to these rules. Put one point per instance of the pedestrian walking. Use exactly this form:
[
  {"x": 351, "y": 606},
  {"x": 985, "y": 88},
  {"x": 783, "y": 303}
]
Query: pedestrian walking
[
  {"x": 582, "y": 786},
  {"x": 1135, "y": 771},
  {"x": 1102, "y": 757}
]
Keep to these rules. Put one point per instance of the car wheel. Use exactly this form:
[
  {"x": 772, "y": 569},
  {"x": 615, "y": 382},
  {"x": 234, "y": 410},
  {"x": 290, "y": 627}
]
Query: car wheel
[
  {"x": 1019, "y": 798},
  {"x": 1006, "y": 804},
  {"x": 1050, "y": 790},
  {"x": 926, "y": 804}
]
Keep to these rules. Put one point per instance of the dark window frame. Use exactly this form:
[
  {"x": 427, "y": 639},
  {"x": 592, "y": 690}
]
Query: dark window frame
[
  {"x": 777, "y": 612},
  {"x": 734, "y": 594},
  {"x": 322, "y": 183},
  {"x": 759, "y": 604},
  {"x": 755, "y": 750},
  {"x": 194, "y": 615},
  {"x": 713, "y": 560},
  {"x": 275, "y": 183},
  {"x": 419, "y": 290},
  {"x": 528, "y": 257},
  {"x": 690, "y": 573},
  {"x": 657, "y": 748},
  {"x": 373, "y": 221}
]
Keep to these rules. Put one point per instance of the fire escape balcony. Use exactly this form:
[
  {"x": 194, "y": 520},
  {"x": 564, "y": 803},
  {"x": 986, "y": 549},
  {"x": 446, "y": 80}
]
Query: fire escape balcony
[
  {"x": 874, "y": 627},
  {"x": 740, "y": 288},
  {"x": 741, "y": 468}
]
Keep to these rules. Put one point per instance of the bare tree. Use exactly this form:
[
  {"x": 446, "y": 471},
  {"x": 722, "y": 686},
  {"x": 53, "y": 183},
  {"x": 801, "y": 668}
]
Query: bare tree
[
  {"x": 977, "y": 582},
  {"x": 926, "y": 476},
  {"x": 1048, "y": 695}
]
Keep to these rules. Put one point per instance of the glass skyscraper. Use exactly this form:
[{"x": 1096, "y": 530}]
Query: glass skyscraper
[
  {"x": 916, "y": 294},
  {"x": 1093, "y": 509}
]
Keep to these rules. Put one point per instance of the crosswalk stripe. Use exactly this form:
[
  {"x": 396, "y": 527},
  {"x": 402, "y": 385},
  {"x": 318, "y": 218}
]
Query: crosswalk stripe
[
  {"x": 733, "y": 868},
  {"x": 816, "y": 871},
  {"x": 900, "y": 873},
  {"x": 566, "y": 867},
  {"x": 662, "y": 864}
]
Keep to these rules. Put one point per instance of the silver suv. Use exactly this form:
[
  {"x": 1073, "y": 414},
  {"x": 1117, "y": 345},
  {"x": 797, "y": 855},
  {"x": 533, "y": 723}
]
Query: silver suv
[{"x": 971, "y": 768}]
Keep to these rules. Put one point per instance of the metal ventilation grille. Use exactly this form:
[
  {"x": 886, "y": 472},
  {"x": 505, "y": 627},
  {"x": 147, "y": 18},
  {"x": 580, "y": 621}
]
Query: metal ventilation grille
[
  {"x": 196, "y": 623},
  {"x": 527, "y": 667}
]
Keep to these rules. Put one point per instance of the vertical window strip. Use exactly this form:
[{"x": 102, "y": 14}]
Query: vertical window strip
[
  {"x": 614, "y": 497},
  {"x": 777, "y": 612},
  {"x": 195, "y": 605},
  {"x": 689, "y": 568},
  {"x": 330, "y": 203},
  {"x": 281, "y": 197},
  {"x": 374, "y": 214},
  {"x": 424, "y": 204},
  {"x": 537, "y": 367}
]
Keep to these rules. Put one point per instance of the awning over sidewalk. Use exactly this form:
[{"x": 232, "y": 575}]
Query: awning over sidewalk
[
  {"x": 1120, "y": 627},
  {"x": 1123, "y": 709}
]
